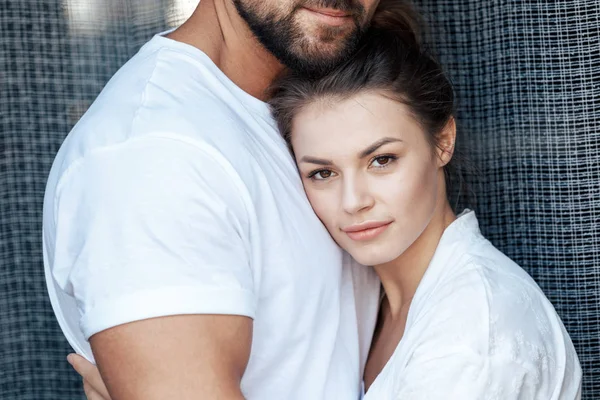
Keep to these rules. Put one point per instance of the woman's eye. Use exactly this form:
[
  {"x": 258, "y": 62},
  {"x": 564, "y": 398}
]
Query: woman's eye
[
  {"x": 382, "y": 161},
  {"x": 321, "y": 174}
]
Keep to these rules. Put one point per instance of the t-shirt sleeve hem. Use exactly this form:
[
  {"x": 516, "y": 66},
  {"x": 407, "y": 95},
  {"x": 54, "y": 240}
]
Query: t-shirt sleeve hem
[{"x": 163, "y": 302}]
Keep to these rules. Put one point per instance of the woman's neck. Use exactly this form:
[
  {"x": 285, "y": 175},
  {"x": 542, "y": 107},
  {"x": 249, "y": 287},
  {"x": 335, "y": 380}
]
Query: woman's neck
[{"x": 401, "y": 277}]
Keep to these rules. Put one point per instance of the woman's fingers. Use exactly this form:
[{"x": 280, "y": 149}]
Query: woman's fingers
[{"x": 90, "y": 374}]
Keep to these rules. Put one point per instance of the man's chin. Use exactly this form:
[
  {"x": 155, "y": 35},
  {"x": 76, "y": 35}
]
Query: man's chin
[
  {"x": 312, "y": 69},
  {"x": 319, "y": 35},
  {"x": 321, "y": 58}
]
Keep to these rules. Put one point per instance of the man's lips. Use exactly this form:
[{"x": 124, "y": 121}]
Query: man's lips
[
  {"x": 330, "y": 16},
  {"x": 366, "y": 230},
  {"x": 332, "y": 12}
]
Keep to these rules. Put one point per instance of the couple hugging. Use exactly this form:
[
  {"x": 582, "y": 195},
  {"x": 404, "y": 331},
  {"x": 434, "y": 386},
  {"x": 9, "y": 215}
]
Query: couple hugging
[{"x": 256, "y": 207}]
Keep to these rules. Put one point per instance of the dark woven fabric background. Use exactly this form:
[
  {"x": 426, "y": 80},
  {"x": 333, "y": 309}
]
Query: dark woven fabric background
[{"x": 527, "y": 73}]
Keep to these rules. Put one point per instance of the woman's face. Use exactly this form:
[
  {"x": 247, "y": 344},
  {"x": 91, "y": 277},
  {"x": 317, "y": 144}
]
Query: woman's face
[{"x": 369, "y": 172}]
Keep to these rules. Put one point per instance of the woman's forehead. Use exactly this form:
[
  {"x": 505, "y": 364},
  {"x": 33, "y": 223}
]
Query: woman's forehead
[{"x": 355, "y": 121}]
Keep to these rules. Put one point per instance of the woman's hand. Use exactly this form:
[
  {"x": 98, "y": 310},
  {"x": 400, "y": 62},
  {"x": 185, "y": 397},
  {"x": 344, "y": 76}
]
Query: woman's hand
[{"x": 93, "y": 385}]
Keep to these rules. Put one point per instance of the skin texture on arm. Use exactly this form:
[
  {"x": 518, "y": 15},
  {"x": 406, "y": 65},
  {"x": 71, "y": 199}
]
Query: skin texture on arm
[{"x": 178, "y": 357}]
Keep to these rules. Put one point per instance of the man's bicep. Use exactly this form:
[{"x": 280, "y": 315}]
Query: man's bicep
[
  {"x": 178, "y": 357},
  {"x": 151, "y": 229}
]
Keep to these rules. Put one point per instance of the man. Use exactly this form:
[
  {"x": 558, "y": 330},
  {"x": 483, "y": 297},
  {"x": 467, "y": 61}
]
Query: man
[{"x": 178, "y": 239}]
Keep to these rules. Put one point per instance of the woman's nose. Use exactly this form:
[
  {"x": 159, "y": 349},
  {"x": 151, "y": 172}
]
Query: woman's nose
[{"x": 356, "y": 197}]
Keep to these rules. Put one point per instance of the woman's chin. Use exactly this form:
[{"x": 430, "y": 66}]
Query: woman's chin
[{"x": 371, "y": 257}]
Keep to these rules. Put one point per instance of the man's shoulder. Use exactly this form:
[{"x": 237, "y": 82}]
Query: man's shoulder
[{"x": 158, "y": 93}]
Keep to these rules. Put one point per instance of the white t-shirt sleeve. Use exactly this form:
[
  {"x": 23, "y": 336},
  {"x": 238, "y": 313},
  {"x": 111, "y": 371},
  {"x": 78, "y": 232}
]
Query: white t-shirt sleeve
[
  {"x": 466, "y": 350},
  {"x": 153, "y": 227}
]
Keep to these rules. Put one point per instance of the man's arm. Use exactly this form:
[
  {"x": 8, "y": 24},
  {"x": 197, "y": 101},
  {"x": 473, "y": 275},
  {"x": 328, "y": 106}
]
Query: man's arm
[
  {"x": 152, "y": 242},
  {"x": 179, "y": 357}
]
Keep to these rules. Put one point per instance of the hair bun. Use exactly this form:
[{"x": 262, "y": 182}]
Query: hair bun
[{"x": 400, "y": 19}]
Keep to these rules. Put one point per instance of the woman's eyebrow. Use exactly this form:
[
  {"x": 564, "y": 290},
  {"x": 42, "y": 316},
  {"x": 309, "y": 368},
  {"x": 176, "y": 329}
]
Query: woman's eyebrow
[
  {"x": 366, "y": 152},
  {"x": 313, "y": 160},
  {"x": 372, "y": 148}
]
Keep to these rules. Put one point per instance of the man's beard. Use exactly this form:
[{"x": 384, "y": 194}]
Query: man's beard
[{"x": 286, "y": 41}]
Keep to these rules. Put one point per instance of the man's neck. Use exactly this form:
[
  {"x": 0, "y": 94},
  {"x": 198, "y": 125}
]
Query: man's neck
[{"x": 217, "y": 29}]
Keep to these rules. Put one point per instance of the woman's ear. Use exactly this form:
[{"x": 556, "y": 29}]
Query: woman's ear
[{"x": 445, "y": 143}]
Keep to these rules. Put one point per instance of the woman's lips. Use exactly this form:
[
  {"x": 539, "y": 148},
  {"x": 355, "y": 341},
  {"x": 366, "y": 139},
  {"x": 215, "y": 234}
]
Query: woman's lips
[{"x": 366, "y": 231}]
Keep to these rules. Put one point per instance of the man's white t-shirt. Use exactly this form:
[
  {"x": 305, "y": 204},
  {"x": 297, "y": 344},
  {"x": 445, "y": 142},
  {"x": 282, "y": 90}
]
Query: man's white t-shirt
[
  {"x": 175, "y": 194},
  {"x": 479, "y": 328}
]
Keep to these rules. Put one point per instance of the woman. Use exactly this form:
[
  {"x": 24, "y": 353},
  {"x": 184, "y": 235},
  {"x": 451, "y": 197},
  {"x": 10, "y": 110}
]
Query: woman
[
  {"x": 373, "y": 142},
  {"x": 458, "y": 319}
]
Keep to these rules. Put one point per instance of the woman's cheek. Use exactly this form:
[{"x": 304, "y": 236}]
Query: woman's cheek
[{"x": 322, "y": 204}]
